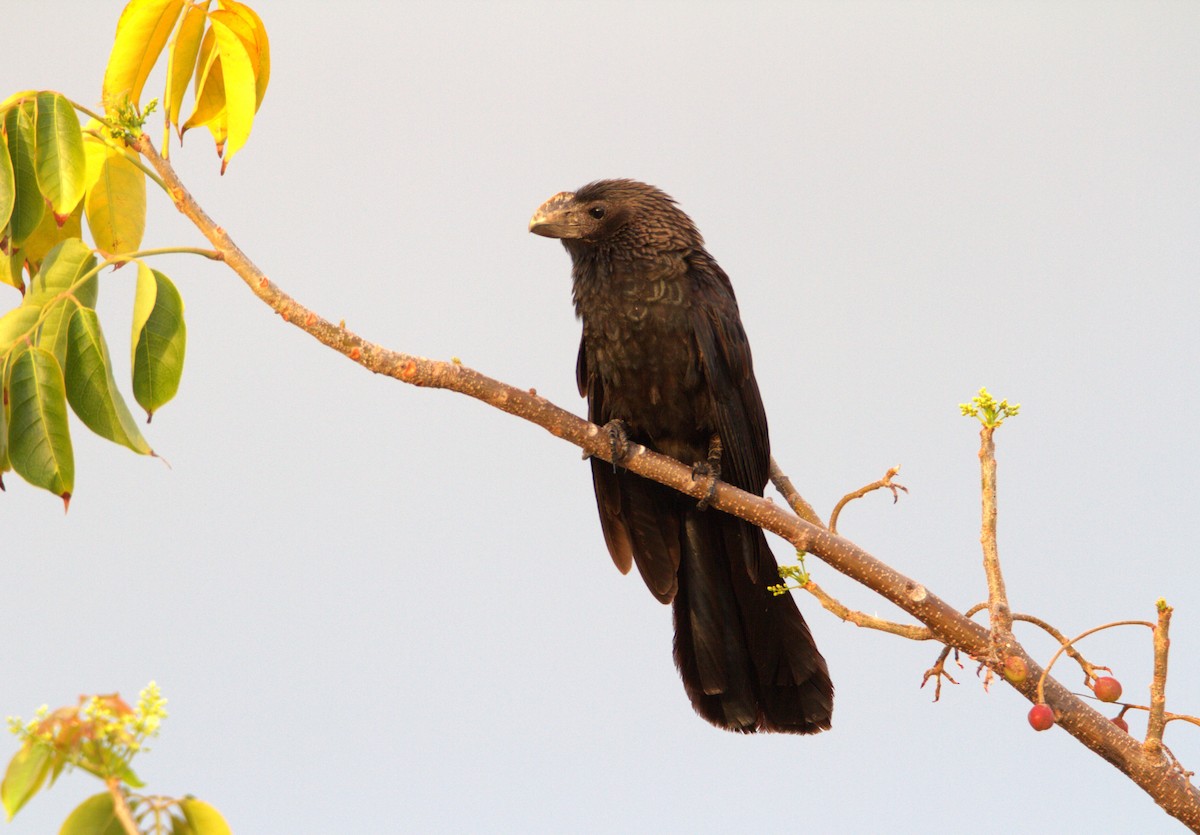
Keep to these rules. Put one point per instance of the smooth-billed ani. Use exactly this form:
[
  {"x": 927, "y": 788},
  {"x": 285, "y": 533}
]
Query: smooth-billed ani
[{"x": 664, "y": 354}]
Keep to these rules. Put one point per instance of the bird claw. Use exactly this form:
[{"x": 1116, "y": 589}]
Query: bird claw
[
  {"x": 710, "y": 469},
  {"x": 704, "y": 470},
  {"x": 618, "y": 438}
]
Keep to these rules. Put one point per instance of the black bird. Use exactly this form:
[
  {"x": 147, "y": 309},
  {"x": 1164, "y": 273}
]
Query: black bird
[{"x": 664, "y": 362}]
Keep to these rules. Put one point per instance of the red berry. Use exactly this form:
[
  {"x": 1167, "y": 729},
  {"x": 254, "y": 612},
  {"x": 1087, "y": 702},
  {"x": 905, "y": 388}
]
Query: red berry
[
  {"x": 1121, "y": 723},
  {"x": 1107, "y": 689},
  {"x": 1041, "y": 717}
]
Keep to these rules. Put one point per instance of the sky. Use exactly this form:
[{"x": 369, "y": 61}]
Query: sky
[{"x": 377, "y": 609}]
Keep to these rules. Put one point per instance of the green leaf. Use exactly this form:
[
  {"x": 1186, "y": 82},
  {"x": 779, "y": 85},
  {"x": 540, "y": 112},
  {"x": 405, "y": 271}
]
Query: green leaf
[
  {"x": 8, "y": 184},
  {"x": 125, "y": 772},
  {"x": 91, "y": 388},
  {"x": 58, "y": 151},
  {"x": 145, "y": 294},
  {"x": 60, "y": 762},
  {"x": 39, "y": 441},
  {"x": 61, "y": 270},
  {"x": 203, "y": 818},
  {"x": 179, "y": 826},
  {"x": 26, "y": 773},
  {"x": 63, "y": 266},
  {"x": 53, "y": 334},
  {"x": 5, "y": 464},
  {"x": 28, "y": 204},
  {"x": 159, "y": 340},
  {"x": 116, "y": 204},
  {"x": 94, "y": 816}
]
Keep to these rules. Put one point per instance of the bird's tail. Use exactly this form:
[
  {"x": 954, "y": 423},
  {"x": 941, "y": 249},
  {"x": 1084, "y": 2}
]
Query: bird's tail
[{"x": 746, "y": 656}]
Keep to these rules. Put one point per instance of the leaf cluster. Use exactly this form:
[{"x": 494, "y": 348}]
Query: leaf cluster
[
  {"x": 224, "y": 52},
  {"x": 990, "y": 412},
  {"x": 53, "y": 173},
  {"x": 53, "y": 354},
  {"x": 101, "y": 735}
]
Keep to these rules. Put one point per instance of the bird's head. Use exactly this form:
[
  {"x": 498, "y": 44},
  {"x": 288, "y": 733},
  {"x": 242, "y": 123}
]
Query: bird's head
[{"x": 615, "y": 211}]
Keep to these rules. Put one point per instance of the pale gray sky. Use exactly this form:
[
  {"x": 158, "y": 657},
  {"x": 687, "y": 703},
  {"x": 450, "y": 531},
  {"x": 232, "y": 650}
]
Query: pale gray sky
[{"x": 378, "y": 609}]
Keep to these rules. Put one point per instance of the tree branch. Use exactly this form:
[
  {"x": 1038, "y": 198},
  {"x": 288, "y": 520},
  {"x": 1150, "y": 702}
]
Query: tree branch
[
  {"x": 1152, "y": 771},
  {"x": 1158, "y": 685},
  {"x": 1000, "y": 619}
]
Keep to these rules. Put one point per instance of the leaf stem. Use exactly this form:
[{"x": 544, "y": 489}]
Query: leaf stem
[{"x": 120, "y": 806}]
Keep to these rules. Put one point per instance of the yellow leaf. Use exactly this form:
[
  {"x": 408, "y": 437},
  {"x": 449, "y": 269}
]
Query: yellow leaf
[
  {"x": 11, "y": 267},
  {"x": 181, "y": 63},
  {"x": 210, "y": 86},
  {"x": 142, "y": 33},
  {"x": 116, "y": 204},
  {"x": 219, "y": 128},
  {"x": 238, "y": 73},
  {"x": 262, "y": 64},
  {"x": 242, "y": 29},
  {"x": 49, "y": 234},
  {"x": 95, "y": 150},
  {"x": 17, "y": 98}
]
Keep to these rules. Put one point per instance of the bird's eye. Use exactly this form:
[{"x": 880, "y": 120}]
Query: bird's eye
[{"x": 596, "y": 212}]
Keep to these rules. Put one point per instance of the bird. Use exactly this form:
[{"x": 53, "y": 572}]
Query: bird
[{"x": 664, "y": 362}]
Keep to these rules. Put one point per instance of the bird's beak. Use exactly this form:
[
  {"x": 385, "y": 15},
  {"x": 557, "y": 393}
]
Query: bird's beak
[{"x": 555, "y": 218}]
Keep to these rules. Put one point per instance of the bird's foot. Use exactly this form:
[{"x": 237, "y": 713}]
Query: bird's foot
[
  {"x": 618, "y": 438},
  {"x": 710, "y": 469}
]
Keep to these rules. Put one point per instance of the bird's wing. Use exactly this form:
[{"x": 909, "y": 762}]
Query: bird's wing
[
  {"x": 725, "y": 359},
  {"x": 639, "y": 521}
]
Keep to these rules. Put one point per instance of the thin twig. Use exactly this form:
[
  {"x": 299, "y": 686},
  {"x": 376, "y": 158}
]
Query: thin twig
[
  {"x": 805, "y": 511},
  {"x": 913, "y": 633},
  {"x": 886, "y": 481},
  {"x": 792, "y": 496},
  {"x": 1167, "y": 715},
  {"x": 1089, "y": 669},
  {"x": 1046, "y": 672},
  {"x": 120, "y": 806}
]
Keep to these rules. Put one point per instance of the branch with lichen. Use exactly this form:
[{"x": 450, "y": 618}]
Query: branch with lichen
[{"x": 1166, "y": 784}]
